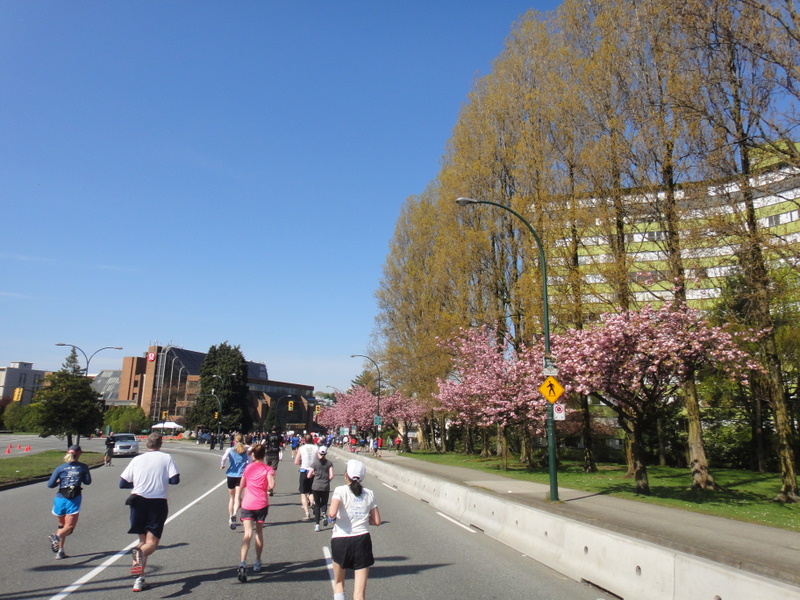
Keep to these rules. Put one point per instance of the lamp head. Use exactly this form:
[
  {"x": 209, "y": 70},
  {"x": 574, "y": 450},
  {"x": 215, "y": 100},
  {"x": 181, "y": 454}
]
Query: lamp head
[{"x": 464, "y": 201}]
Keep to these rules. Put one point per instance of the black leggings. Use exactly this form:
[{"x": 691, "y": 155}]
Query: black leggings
[{"x": 320, "y": 502}]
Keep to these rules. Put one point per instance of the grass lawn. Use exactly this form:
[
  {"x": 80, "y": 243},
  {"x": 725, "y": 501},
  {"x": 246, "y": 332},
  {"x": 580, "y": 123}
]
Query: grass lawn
[
  {"x": 33, "y": 467},
  {"x": 747, "y": 495}
]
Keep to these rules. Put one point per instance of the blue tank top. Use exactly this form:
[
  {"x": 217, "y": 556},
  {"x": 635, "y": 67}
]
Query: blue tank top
[{"x": 236, "y": 463}]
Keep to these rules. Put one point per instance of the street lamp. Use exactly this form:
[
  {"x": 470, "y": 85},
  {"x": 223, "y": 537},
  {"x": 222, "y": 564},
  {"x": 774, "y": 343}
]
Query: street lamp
[
  {"x": 551, "y": 429},
  {"x": 378, "y": 411},
  {"x": 89, "y": 358}
]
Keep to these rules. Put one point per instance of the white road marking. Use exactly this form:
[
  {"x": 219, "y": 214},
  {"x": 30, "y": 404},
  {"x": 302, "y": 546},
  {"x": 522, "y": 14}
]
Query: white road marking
[
  {"x": 328, "y": 562},
  {"x": 444, "y": 516},
  {"x": 391, "y": 487},
  {"x": 111, "y": 560}
]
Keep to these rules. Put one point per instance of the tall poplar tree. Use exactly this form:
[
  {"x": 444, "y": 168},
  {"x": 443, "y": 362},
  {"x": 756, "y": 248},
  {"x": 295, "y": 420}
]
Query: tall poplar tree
[{"x": 734, "y": 96}]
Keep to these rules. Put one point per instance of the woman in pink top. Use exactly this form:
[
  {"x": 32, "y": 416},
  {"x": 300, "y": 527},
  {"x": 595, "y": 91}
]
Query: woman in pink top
[{"x": 257, "y": 480}]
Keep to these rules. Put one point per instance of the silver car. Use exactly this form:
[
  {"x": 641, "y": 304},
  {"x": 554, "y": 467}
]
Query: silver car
[{"x": 125, "y": 444}]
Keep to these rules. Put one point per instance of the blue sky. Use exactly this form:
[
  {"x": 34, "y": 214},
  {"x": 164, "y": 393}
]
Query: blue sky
[{"x": 199, "y": 172}]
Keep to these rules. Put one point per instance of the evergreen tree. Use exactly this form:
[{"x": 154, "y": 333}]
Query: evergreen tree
[
  {"x": 67, "y": 403},
  {"x": 223, "y": 382}
]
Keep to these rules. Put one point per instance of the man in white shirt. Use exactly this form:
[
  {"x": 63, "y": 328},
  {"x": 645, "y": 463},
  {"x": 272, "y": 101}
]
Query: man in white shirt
[
  {"x": 304, "y": 457},
  {"x": 149, "y": 476}
]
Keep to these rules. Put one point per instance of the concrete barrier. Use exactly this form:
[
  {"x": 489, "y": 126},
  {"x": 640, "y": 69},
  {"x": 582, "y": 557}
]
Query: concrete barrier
[{"x": 625, "y": 566}]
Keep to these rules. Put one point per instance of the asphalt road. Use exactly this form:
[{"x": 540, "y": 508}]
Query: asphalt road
[{"x": 420, "y": 554}]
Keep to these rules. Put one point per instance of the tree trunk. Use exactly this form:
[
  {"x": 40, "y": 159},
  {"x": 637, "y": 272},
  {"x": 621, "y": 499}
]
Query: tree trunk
[
  {"x": 503, "y": 446},
  {"x": 524, "y": 446},
  {"x": 639, "y": 464},
  {"x": 698, "y": 463},
  {"x": 469, "y": 443},
  {"x": 589, "y": 464},
  {"x": 629, "y": 459},
  {"x": 757, "y": 424},
  {"x": 662, "y": 453},
  {"x": 484, "y": 442}
]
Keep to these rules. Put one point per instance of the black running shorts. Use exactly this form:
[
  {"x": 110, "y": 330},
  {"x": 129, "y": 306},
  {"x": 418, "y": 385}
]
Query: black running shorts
[
  {"x": 353, "y": 552},
  {"x": 148, "y": 515}
]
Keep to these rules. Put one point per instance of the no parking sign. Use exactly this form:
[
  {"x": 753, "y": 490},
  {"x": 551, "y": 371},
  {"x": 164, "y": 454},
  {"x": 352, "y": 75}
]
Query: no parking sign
[{"x": 559, "y": 412}]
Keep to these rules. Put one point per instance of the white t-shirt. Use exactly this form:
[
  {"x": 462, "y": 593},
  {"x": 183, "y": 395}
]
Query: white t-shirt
[
  {"x": 308, "y": 452},
  {"x": 150, "y": 473},
  {"x": 353, "y": 516}
]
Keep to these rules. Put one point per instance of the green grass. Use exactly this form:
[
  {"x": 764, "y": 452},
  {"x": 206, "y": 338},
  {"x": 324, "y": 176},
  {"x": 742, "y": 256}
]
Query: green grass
[
  {"x": 747, "y": 495},
  {"x": 34, "y": 467}
]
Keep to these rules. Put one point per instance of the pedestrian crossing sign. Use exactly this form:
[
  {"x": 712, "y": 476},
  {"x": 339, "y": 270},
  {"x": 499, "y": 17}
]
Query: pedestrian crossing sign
[{"x": 551, "y": 389}]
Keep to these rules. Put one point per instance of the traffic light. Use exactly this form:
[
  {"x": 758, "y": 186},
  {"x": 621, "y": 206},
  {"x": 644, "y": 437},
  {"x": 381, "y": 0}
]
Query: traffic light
[
  {"x": 163, "y": 414},
  {"x": 291, "y": 405},
  {"x": 216, "y": 415},
  {"x": 317, "y": 409},
  {"x": 18, "y": 394}
]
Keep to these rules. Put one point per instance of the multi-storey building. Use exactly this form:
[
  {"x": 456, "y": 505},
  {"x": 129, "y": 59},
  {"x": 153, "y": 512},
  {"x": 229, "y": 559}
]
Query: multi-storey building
[
  {"x": 19, "y": 381},
  {"x": 165, "y": 382},
  {"x": 712, "y": 226}
]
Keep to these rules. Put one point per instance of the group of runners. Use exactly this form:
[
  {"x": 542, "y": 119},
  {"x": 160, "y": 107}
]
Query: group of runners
[{"x": 251, "y": 481}]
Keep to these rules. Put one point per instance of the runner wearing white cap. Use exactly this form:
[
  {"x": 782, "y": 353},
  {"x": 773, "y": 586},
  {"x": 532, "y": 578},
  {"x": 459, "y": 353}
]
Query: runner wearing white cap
[{"x": 353, "y": 510}]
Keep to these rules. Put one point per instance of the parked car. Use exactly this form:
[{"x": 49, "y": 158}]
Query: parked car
[{"x": 125, "y": 444}]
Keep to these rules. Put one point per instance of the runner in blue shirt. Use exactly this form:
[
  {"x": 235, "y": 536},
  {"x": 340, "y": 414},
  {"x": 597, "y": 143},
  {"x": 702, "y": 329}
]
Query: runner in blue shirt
[
  {"x": 67, "y": 503},
  {"x": 237, "y": 456}
]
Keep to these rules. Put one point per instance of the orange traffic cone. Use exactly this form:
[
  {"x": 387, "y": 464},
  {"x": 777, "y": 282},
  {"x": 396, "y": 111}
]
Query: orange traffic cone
[
  {"x": 8, "y": 450},
  {"x": 27, "y": 448},
  {"x": 19, "y": 446}
]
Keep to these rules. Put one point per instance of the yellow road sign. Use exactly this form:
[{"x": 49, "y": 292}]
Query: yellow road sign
[{"x": 551, "y": 389}]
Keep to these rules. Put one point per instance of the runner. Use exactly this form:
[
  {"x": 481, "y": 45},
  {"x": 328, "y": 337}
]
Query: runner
[
  {"x": 237, "y": 456},
  {"x": 353, "y": 510},
  {"x": 304, "y": 457},
  {"x": 258, "y": 480},
  {"x": 67, "y": 503},
  {"x": 149, "y": 475},
  {"x": 274, "y": 443},
  {"x": 321, "y": 475}
]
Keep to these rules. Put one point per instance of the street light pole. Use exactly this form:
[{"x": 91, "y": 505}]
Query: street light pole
[
  {"x": 86, "y": 374},
  {"x": 89, "y": 358},
  {"x": 378, "y": 411},
  {"x": 551, "y": 429}
]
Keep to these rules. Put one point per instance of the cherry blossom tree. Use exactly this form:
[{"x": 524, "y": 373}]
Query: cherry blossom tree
[
  {"x": 491, "y": 384},
  {"x": 401, "y": 412},
  {"x": 356, "y": 407},
  {"x": 359, "y": 406},
  {"x": 636, "y": 362}
]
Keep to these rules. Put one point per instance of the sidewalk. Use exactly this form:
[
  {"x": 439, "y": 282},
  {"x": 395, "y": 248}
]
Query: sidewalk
[{"x": 766, "y": 551}]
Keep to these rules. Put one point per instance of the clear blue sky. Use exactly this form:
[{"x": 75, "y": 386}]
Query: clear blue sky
[{"x": 199, "y": 172}]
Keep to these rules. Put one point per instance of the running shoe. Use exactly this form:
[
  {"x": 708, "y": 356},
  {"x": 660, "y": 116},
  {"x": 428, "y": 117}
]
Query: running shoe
[
  {"x": 61, "y": 554},
  {"x": 232, "y": 522},
  {"x": 257, "y": 566},
  {"x": 140, "y": 585},
  {"x": 316, "y": 528},
  {"x": 55, "y": 541},
  {"x": 242, "y": 573},
  {"x": 137, "y": 568}
]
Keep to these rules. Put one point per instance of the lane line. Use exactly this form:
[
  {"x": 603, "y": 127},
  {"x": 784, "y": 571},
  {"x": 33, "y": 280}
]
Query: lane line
[
  {"x": 75, "y": 586},
  {"x": 444, "y": 516},
  {"x": 328, "y": 562}
]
